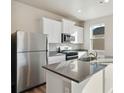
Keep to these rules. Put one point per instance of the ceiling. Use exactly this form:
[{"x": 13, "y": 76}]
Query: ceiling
[{"x": 74, "y": 9}]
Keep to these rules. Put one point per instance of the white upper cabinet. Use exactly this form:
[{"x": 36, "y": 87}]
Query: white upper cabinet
[
  {"x": 47, "y": 25},
  {"x": 53, "y": 29},
  {"x": 78, "y": 34},
  {"x": 57, "y": 32},
  {"x": 67, "y": 26}
]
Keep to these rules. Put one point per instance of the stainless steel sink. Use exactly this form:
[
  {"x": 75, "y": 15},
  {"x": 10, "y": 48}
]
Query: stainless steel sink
[{"x": 91, "y": 55}]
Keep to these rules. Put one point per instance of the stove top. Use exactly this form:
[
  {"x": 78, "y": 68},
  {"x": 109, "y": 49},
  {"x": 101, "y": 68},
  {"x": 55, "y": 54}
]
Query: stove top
[{"x": 71, "y": 54}]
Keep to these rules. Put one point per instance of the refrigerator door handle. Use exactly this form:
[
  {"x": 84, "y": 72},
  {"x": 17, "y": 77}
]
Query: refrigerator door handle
[
  {"x": 46, "y": 49},
  {"x": 29, "y": 71}
]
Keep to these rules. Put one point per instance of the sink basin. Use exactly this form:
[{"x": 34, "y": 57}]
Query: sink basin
[{"x": 87, "y": 58}]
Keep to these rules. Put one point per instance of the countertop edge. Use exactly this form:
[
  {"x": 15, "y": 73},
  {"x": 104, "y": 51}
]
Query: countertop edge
[
  {"x": 61, "y": 74},
  {"x": 70, "y": 77}
]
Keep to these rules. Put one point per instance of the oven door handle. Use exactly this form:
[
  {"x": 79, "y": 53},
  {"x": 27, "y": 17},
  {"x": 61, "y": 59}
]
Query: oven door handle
[{"x": 72, "y": 56}]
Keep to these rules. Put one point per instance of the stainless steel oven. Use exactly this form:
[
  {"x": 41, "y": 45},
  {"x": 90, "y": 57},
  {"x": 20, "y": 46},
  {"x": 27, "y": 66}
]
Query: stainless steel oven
[{"x": 70, "y": 54}]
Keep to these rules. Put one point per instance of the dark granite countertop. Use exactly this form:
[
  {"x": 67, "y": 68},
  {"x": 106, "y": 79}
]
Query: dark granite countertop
[
  {"x": 55, "y": 53},
  {"x": 75, "y": 70},
  {"x": 77, "y": 50},
  {"x": 80, "y": 50}
]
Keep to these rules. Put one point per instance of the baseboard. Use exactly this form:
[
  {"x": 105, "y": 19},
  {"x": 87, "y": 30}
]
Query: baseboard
[{"x": 32, "y": 88}]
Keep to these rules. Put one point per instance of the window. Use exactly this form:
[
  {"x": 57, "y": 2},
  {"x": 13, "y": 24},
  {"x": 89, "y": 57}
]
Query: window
[
  {"x": 97, "y": 41},
  {"x": 98, "y": 44},
  {"x": 99, "y": 30}
]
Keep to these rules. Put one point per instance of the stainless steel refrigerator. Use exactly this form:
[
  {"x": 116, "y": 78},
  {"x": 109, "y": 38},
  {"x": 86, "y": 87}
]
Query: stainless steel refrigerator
[{"x": 29, "y": 54}]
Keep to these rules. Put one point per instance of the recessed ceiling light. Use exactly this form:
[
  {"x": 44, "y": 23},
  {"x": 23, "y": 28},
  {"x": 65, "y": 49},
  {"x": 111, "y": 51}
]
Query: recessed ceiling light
[
  {"x": 106, "y": 1},
  {"x": 79, "y": 11}
]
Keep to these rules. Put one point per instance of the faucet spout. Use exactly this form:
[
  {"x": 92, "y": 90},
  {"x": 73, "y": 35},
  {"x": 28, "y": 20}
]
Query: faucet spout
[{"x": 93, "y": 53}]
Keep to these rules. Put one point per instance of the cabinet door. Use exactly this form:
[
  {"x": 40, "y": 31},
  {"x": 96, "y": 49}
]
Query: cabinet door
[
  {"x": 47, "y": 26},
  {"x": 80, "y": 35},
  {"x": 51, "y": 34},
  {"x": 54, "y": 35},
  {"x": 57, "y": 32},
  {"x": 94, "y": 84},
  {"x": 77, "y": 32},
  {"x": 53, "y": 29},
  {"x": 109, "y": 78},
  {"x": 67, "y": 26}
]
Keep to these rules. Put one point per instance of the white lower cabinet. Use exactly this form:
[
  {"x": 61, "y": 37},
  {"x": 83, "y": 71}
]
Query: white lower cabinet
[
  {"x": 93, "y": 84},
  {"x": 59, "y": 84},
  {"x": 101, "y": 82},
  {"x": 109, "y": 79},
  {"x": 56, "y": 59}
]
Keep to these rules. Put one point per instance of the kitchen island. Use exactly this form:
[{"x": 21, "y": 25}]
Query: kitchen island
[{"x": 74, "y": 76}]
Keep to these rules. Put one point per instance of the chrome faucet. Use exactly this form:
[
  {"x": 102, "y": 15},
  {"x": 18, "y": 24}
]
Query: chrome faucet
[{"x": 94, "y": 53}]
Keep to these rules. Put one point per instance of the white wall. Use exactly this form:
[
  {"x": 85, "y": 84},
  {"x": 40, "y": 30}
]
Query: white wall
[
  {"x": 108, "y": 21},
  {"x": 26, "y": 18}
]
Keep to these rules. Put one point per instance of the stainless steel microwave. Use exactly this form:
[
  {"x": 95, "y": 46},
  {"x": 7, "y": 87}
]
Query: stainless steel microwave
[{"x": 67, "y": 38}]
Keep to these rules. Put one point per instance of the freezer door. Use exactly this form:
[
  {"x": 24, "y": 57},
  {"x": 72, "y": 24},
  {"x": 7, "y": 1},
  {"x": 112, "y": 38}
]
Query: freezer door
[
  {"x": 29, "y": 69},
  {"x": 30, "y": 41}
]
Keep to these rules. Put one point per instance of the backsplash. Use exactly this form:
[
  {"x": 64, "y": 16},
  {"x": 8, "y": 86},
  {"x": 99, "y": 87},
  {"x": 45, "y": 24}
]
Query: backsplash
[{"x": 53, "y": 46}]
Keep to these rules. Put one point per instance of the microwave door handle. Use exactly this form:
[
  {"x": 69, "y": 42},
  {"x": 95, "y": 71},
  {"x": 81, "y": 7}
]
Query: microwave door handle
[{"x": 64, "y": 39}]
